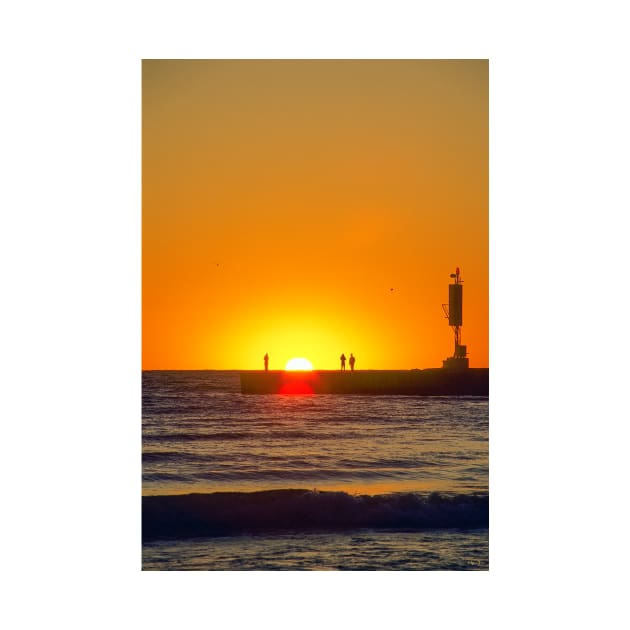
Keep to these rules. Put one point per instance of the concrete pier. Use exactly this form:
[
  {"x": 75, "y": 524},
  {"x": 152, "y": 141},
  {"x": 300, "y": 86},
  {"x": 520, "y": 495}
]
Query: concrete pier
[{"x": 430, "y": 382}]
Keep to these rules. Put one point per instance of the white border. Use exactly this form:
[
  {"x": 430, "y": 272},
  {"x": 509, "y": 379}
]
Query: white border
[{"x": 71, "y": 316}]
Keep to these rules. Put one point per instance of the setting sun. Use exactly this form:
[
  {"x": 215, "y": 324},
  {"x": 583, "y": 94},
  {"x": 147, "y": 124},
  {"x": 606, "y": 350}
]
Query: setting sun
[
  {"x": 323, "y": 220},
  {"x": 298, "y": 364}
]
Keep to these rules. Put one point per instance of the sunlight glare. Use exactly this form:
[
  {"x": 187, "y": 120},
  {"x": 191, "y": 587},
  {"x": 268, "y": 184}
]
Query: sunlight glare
[{"x": 299, "y": 364}]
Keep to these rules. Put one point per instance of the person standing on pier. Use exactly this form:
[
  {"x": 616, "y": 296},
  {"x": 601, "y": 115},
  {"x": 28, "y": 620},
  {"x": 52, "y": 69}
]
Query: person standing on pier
[
  {"x": 266, "y": 359},
  {"x": 351, "y": 361},
  {"x": 342, "y": 358}
]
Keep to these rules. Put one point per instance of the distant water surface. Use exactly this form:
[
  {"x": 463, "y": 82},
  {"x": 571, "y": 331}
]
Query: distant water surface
[{"x": 201, "y": 435}]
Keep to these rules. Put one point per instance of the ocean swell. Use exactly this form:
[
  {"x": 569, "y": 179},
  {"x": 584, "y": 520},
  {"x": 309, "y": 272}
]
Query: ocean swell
[{"x": 226, "y": 513}]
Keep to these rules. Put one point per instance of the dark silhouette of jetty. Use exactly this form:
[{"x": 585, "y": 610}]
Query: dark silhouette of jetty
[
  {"x": 455, "y": 378},
  {"x": 430, "y": 382}
]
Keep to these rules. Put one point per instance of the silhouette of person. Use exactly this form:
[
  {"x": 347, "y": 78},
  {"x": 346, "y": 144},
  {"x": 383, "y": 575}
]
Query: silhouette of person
[
  {"x": 266, "y": 358},
  {"x": 343, "y": 362},
  {"x": 351, "y": 361}
]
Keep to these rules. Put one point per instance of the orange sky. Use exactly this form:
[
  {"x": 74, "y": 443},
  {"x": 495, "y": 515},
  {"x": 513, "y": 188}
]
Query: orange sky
[{"x": 282, "y": 200}]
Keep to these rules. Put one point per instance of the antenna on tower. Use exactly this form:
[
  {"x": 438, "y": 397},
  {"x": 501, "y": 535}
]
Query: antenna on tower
[{"x": 454, "y": 313}]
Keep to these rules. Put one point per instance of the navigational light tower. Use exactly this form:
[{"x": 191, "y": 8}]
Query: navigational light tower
[{"x": 453, "y": 312}]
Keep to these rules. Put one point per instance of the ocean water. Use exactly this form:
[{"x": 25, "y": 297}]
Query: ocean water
[{"x": 294, "y": 482}]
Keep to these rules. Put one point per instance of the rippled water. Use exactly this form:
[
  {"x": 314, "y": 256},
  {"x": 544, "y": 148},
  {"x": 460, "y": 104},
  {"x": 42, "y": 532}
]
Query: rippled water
[
  {"x": 443, "y": 550},
  {"x": 201, "y": 435}
]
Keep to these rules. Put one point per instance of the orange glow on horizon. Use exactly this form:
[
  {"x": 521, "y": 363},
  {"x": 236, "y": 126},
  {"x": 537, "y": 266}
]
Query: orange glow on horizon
[
  {"x": 314, "y": 207},
  {"x": 294, "y": 388},
  {"x": 298, "y": 382}
]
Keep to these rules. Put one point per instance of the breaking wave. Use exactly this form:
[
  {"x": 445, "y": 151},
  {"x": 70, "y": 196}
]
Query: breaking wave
[{"x": 226, "y": 513}]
